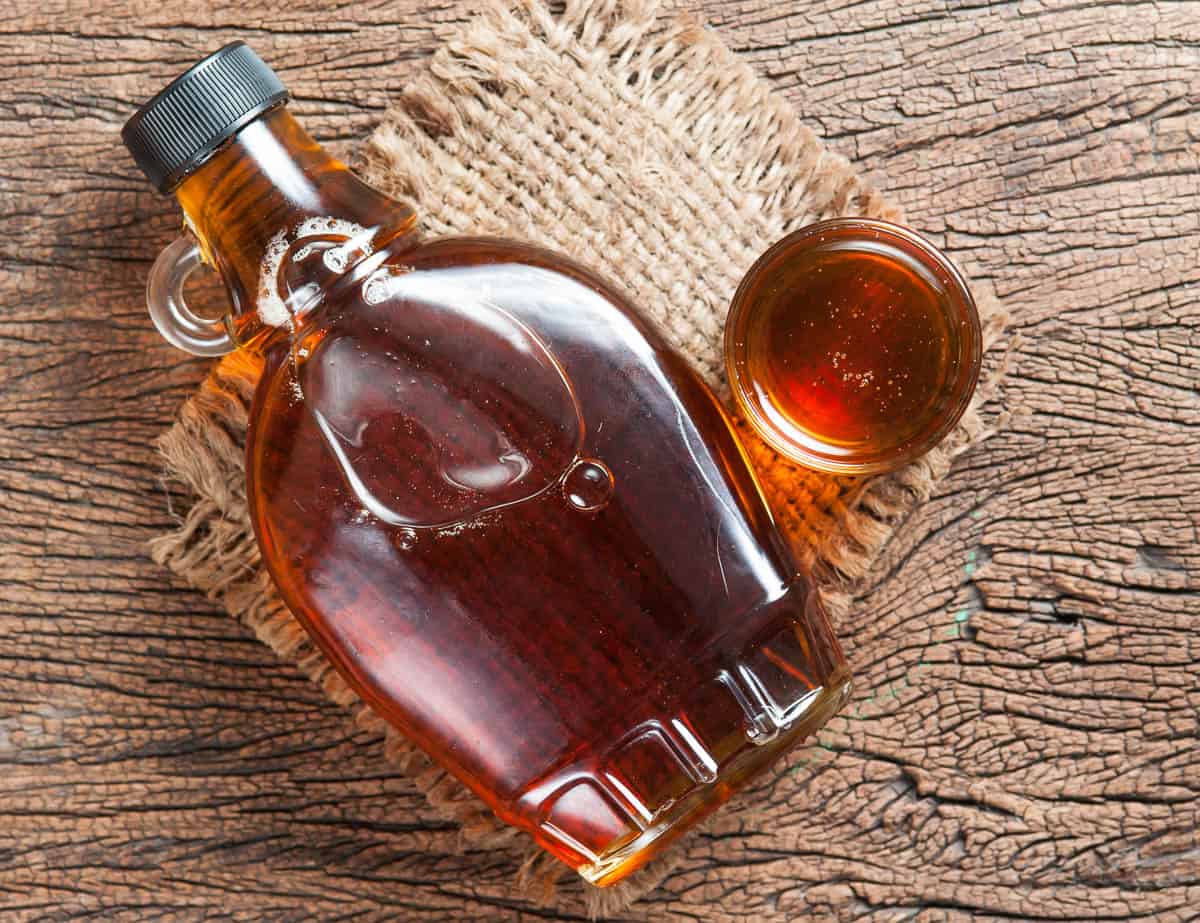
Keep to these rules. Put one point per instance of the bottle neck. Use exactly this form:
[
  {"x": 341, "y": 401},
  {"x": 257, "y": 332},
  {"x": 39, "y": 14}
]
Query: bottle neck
[{"x": 269, "y": 180}]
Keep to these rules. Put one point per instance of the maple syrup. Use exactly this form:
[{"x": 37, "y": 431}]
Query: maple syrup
[
  {"x": 514, "y": 519},
  {"x": 853, "y": 346}
]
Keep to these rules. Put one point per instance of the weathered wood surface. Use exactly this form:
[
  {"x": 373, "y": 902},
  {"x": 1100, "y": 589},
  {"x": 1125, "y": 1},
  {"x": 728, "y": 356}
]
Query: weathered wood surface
[{"x": 1026, "y": 744}]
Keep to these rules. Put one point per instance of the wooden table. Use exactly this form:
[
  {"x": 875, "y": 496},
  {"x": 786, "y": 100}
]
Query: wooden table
[{"x": 157, "y": 762}]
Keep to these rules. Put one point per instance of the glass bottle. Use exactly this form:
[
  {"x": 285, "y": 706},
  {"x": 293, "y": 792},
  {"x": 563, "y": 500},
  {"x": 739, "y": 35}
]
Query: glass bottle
[{"x": 514, "y": 519}]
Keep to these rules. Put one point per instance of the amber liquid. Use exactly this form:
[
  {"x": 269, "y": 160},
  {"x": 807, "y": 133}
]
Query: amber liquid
[
  {"x": 523, "y": 529},
  {"x": 849, "y": 346}
]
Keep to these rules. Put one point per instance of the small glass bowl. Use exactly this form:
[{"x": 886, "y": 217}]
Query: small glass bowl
[{"x": 909, "y": 253}]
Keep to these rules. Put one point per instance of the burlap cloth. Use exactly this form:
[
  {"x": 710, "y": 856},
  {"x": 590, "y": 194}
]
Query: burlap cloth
[{"x": 634, "y": 143}]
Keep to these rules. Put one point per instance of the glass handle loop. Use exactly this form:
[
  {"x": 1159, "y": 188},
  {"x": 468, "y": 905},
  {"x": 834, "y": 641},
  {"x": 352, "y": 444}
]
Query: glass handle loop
[{"x": 170, "y": 312}]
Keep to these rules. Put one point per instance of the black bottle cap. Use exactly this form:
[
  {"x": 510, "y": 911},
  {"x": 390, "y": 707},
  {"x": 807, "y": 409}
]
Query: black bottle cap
[{"x": 189, "y": 120}]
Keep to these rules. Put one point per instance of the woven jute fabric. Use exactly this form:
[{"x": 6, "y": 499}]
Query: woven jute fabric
[{"x": 638, "y": 144}]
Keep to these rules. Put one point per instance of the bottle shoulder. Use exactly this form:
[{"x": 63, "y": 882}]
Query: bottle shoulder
[{"x": 476, "y": 250}]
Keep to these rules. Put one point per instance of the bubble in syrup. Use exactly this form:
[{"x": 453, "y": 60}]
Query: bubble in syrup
[
  {"x": 406, "y": 540},
  {"x": 588, "y": 485}
]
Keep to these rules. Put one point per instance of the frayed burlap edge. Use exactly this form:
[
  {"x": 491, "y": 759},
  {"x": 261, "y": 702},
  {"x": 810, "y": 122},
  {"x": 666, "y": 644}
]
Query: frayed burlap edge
[{"x": 726, "y": 121}]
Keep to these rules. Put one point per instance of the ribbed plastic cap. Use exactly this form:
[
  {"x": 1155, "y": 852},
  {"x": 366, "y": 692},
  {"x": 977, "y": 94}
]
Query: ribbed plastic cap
[{"x": 187, "y": 122}]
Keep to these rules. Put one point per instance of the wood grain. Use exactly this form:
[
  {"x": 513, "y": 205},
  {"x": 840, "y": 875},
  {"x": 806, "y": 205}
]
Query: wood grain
[{"x": 1025, "y": 744}]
